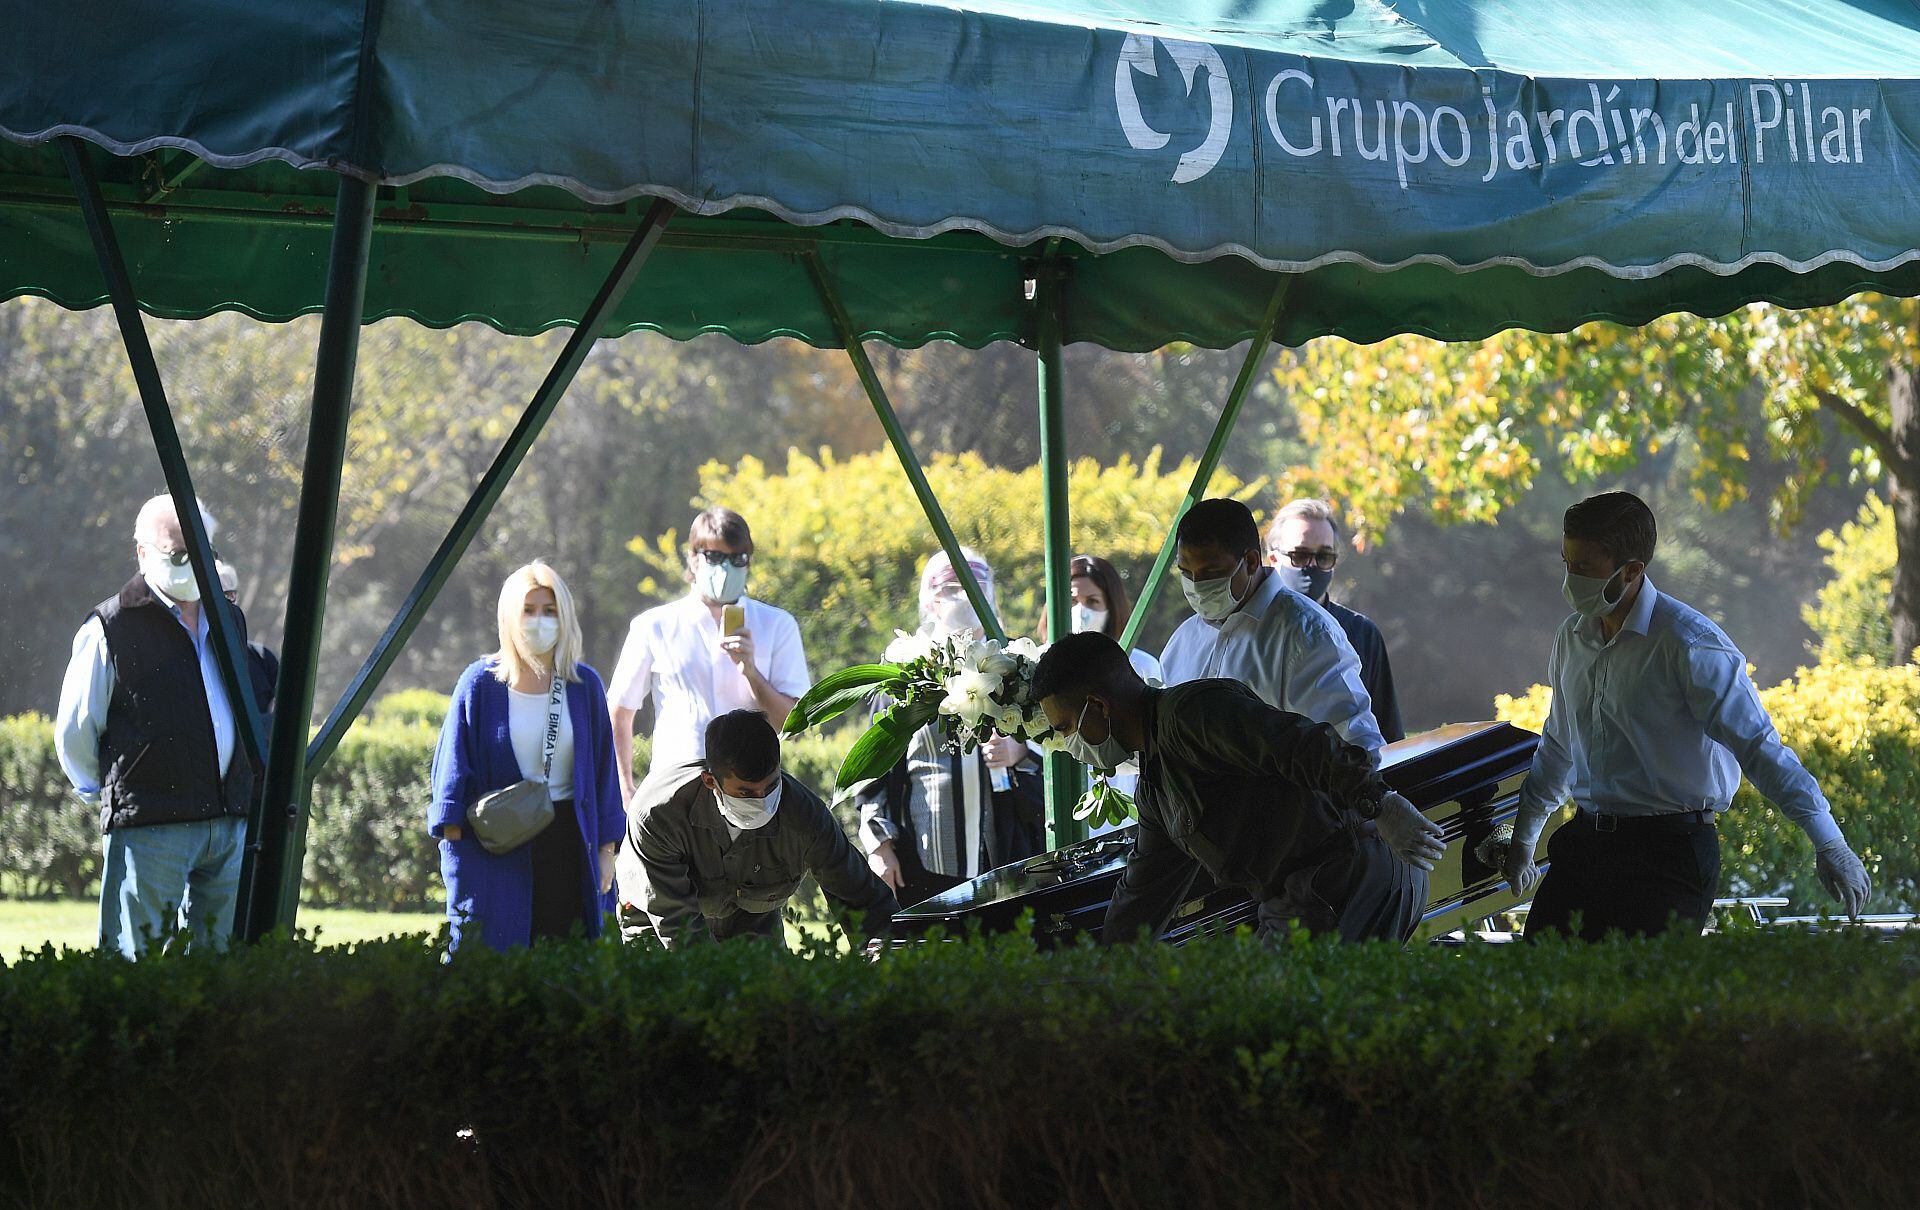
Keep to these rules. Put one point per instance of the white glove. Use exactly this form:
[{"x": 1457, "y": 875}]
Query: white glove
[
  {"x": 1413, "y": 837},
  {"x": 1519, "y": 868},
  {"x": 1843, "y": 875}
]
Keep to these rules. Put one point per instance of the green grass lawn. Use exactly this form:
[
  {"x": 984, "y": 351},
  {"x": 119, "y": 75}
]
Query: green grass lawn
[{"x": 27, "y": 924}]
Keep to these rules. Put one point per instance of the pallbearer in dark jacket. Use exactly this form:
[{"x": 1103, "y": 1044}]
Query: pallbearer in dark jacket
[
  {"x": 1265, "y": 800},
  {"x": 145, "y": 731},
  {"x": 1303, "y": 545},
  {"x": 717, "y": 847}
]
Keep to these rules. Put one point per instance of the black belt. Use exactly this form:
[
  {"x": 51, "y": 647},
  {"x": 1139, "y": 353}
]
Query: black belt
[{"x": 1672, "y": 821}]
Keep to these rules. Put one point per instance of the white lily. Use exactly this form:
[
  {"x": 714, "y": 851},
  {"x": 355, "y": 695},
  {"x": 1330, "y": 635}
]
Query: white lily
[
  {"x": 970, "y": 696},
  {"x": 907, "y": 648}
]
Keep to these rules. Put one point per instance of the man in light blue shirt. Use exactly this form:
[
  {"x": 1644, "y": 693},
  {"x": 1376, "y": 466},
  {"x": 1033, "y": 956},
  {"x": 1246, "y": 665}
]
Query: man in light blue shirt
[
  {"x": 1654, "y": 719},
  {"x": 146, "y": 733}
]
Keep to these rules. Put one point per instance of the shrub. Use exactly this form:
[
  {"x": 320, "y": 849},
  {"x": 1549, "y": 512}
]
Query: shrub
[
  {"x": 1850, "y": 616},
  {"x": 367, "y": 845},
  {"x": 1739, "y": 1070},
  {"x": 1856, "y": 727},
  {"x": 428, "y": 706},
  {"x": 839, "y": 542}
]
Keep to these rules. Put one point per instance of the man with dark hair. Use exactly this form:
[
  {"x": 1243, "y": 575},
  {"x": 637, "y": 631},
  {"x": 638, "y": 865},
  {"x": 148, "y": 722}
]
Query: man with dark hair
[
  {"x": 715, "y": 848},
  {"x": 1248, "y": 627},
  {"x": 713, "y": 650},
  {"x": 1265, "y": 800},
  {"x": 1303, "y": 546},
  {"x": 1654, "y": 720}
]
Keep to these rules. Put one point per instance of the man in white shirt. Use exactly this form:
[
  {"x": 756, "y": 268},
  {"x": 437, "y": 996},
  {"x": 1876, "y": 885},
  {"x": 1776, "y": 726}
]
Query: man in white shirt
[
  {"x": 676, "y": 654},
  {"x": 1654, "y": 719},
  {"x": 146, "y": 733},
  {"x": 1248, "y": 627}
]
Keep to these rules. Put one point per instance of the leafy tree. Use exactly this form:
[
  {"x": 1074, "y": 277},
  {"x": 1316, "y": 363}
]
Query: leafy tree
[
  {"x": 1850, "y": 615},
  {"x": 1459, "y": 430}
]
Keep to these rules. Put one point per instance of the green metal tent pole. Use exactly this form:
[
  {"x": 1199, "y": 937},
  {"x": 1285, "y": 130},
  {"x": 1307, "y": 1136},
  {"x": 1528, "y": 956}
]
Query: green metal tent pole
[
  {"x": 271, "y": 895},
  {"x": 222, "y": 621},
  {"x": 1063, "y": 776},
  {"x": 532, "y": 421},
  {"x": 1210, "y": 459},
  {"x": 903, "y": 448}
]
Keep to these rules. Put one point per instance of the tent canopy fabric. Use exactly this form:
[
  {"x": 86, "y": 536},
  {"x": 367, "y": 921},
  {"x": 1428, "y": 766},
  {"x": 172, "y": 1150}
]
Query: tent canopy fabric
[{"x": 1447, "y": 168}]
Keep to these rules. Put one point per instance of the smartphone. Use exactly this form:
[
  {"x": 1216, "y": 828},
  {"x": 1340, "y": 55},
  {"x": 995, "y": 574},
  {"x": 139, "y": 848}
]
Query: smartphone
[{"x": 733, "y": 619}]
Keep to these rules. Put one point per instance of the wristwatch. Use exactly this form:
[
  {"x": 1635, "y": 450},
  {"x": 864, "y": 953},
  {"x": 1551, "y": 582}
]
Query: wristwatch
[{"x": 1368, "y": 800}]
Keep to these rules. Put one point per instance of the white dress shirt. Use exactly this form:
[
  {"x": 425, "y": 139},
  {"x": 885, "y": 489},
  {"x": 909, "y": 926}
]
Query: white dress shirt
[
  {"x": 1661, "y": 719},
  {"x": 88, "y": 687},
  {"x": 527, "y": 715},
  {"x": 1286, "y": 649},
  {"x": 673, "y": 653}
]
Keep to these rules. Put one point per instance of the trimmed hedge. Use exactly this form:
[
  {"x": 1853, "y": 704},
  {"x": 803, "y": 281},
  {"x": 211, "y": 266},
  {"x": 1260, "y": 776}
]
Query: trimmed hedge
[
  {"x": 1751, "y": 1069},
  {"x": 1856, "y": 727},
  {"x": 367, "y": 845}
]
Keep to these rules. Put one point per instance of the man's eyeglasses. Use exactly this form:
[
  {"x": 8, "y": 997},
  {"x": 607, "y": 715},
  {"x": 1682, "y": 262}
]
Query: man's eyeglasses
[
  {"x": 181, "y": 557},
  {"x": 1303, "y": 558},
  {"x": 716, "y": 557}
]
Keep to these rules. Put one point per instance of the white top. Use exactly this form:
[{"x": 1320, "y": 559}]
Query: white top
[
  {"x": 527, "y": 715},
  {"x": 1286, "y": 649},
  {"x": 1662, "y": 719},
  {"x": 88, "y": 686},
  {"x": 673, "y": 653}
]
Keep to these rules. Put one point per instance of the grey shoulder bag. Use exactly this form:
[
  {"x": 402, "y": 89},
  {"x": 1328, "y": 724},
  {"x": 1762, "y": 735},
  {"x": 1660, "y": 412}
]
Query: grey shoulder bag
[{"x": 506, "y": 819}]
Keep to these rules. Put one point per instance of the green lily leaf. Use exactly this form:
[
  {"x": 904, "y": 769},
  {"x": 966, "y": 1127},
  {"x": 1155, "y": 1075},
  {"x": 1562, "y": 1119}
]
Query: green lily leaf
[
  {"x": 884, "y": 743},
  {"x": 840, "y": 692}
]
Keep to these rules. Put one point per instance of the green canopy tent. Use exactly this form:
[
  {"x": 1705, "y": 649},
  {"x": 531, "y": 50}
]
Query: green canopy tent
[{"x": 1127, "y": 173}]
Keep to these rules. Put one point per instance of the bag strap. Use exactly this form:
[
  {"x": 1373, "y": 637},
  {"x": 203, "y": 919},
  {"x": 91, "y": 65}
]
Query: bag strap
[{"x": 551, "y": 740}]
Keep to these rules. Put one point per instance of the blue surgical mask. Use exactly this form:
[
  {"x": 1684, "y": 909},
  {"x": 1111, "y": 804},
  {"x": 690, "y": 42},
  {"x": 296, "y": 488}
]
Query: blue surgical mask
[
  {"x": 721, "y": 582},
  {"x": 1589, "y": 595}
]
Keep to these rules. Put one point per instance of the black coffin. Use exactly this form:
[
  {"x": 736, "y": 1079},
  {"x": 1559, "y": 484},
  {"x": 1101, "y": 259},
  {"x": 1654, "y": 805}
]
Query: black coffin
[{"x": 1466, "y": 778}]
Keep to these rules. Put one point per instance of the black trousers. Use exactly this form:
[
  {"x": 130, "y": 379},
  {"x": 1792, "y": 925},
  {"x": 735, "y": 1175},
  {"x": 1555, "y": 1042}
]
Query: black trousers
[
  {"x": 559, "y": 875},
  {"x": 1637, "y": 879}
]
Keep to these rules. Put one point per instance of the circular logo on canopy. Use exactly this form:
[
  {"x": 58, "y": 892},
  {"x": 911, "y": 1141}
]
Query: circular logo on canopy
[{"x": 1137, "y": 55}]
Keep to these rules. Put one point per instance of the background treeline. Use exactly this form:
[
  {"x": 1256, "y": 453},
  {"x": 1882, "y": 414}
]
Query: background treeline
[{"x": 652, "y": 428}]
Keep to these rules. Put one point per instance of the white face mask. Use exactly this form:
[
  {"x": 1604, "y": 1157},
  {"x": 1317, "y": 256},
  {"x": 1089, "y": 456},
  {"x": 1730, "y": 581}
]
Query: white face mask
[
  {"x": 1211, "y": 599},
  {"x": 1588, "y": 594},
  {"x": 541, "y": 634},
  {"x": 748, "y": 813},
  {"x": 176, "y": 583},
  {"x": 1087, "y": 618},
  {"x": 722, "y": 582},
  {"x": 1109, "y": 754},
  {"x": 957, "y": 614}
]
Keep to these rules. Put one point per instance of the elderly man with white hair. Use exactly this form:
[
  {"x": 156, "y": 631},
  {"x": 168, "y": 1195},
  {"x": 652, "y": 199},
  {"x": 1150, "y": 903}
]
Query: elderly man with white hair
[
  {"x": 939, "y": 818},
  {"x": 146, "y": 733}
]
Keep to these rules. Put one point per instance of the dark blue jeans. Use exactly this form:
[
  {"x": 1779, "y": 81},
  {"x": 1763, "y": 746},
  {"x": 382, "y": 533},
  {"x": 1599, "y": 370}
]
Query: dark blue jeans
[{"x": 1636, "y": 880}]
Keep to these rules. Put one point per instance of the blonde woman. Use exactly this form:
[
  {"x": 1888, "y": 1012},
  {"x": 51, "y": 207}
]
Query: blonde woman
[{"x": 494, "y": 736}]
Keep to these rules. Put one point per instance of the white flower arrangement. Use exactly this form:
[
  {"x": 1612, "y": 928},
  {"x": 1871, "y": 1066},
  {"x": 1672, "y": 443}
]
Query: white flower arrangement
[{"x": 978, "y": 687}]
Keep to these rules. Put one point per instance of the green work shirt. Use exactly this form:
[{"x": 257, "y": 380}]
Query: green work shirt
[{"x": 703, "y": 882}]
